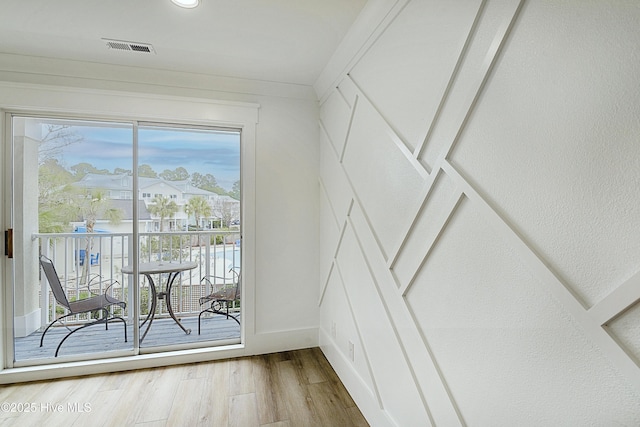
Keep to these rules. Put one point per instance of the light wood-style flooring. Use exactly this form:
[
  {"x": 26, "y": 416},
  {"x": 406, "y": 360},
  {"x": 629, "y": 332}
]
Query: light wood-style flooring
[{"x": 294, "y": 388}]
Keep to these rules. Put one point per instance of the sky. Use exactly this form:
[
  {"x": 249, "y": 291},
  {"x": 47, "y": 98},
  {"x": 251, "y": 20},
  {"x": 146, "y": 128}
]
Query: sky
[{"x": 205, "y": 151}]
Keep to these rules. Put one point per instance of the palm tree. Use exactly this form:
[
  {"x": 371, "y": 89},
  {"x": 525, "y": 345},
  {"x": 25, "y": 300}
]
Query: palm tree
[
  {"x": 163, "y": 207},
  {"x": 94, "y": 205},
  {"x": 198, "y": 207},
  {"x": 91, "y": 206}
]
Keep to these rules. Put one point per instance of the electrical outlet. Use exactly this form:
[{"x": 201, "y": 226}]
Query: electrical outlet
[
  {"x": 333, "y": 330},
  {"x": 351, "y": 351}
]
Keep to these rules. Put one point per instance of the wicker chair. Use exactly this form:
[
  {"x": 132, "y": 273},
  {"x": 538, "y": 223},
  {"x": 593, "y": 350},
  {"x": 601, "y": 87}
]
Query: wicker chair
[
  {"x": 222, "y": 294},
  {"x": 87, "y": 305}
]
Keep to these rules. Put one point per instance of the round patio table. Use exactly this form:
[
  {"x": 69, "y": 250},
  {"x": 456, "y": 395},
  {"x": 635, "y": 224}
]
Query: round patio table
[{"x": 161, "y": 267}]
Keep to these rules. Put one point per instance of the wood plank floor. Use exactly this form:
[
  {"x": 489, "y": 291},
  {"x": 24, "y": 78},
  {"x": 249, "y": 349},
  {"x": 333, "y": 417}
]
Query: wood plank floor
[{"x": 294, "y": 388}]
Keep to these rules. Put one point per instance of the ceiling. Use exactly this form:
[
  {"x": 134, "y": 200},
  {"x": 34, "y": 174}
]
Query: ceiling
[{"x": 287, "y": 41}]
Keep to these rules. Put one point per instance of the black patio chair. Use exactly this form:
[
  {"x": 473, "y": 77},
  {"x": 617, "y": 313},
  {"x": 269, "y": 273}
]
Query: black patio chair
[
  {"x": 94, "y": 303},
  {"x": 222, "y": 295}
]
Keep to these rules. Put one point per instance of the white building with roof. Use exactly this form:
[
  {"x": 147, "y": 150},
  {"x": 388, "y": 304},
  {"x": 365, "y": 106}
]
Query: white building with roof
[{"x": 225, "y": 210}]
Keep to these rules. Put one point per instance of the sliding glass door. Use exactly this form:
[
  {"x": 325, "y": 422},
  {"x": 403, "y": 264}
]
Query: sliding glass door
[
  {"x": 189, "y": 237},
  {"x": 122, "y": 232},
  {"x": 65, "y": 211}
]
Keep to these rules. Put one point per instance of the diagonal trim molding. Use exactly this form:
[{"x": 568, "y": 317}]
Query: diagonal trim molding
[
  {"x": 463, "y": 53},
  {"x": 535, "y": 262},
  {"x": 614, "y": 304}
]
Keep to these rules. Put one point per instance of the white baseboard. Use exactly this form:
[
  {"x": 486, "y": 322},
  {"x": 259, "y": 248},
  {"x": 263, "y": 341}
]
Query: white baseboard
[
  {"x": 273, "y": 342},
  {"x": 358, "y": 389}
]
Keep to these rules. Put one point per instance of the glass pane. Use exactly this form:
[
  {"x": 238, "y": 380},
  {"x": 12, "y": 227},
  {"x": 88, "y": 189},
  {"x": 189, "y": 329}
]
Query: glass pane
[
  {"x": 72, "y": 204},
  {"x": 189, "y": 181}
]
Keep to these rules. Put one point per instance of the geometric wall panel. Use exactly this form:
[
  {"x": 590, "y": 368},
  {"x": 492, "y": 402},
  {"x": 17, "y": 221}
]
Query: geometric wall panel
[
  {"x": 424, "y": 230},
  {"x": 334, "y": 181},
  {"x": 495, "y": 333},
  {"x": 454, "y": 266},
  {"x": 626, "y": 328},
  {"x": 437, "y": 31},
  {"x": 329, "y": 242},
  {"x": 426, "y": 375},
  {"x": 383, "y": 179},
  {"x": 397, "y": 389},
  {"x": 472, "y": 69},
  {"x": 334, "y": 115},
  {"x": 338, "y": 323},
  {"x": 553, "y": 143},
  {"x": 348, "y": 90}
]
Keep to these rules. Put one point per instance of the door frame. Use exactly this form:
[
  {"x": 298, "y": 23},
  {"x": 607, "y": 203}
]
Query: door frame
[{"x": 112, "y": 106}]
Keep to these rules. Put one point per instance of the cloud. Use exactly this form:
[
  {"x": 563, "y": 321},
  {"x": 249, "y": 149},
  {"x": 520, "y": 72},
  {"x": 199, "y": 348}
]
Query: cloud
[{"x": 206, "y": 152}]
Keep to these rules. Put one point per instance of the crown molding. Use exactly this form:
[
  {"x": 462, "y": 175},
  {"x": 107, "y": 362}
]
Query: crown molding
[{"x": 92, "y": 75}]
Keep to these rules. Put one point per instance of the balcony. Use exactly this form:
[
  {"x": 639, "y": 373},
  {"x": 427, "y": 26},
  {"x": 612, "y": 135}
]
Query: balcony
[{"x": 80, "y": 257}]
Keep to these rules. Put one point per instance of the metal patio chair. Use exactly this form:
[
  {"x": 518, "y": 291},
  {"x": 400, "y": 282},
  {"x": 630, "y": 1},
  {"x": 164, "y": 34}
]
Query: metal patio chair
[
  {"x": 222, "y": 295},
  {"x": 94, "y": 303}
]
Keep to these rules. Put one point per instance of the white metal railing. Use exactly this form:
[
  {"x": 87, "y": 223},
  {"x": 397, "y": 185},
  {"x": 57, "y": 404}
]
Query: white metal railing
[{"x": 78, "y": 257}]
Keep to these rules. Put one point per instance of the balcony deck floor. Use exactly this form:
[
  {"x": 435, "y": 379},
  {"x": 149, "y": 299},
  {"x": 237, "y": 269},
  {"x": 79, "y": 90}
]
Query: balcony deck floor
[{"x": 95, "y": 339}]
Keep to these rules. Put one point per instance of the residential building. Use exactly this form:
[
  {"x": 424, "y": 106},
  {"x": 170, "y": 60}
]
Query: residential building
[{"x": 119, "y": 187}]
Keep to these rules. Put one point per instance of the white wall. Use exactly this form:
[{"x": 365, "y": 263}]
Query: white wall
[
  {"x": 280, "y": 181},
  {"x": 480, "y": 247}
]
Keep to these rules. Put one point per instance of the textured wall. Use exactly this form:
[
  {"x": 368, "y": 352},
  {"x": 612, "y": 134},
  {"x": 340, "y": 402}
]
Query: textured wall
[{"x": 480, "y": 238}]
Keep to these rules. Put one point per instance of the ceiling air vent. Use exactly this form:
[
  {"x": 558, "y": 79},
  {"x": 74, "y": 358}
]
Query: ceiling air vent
[{"x": 130, "y": 46}]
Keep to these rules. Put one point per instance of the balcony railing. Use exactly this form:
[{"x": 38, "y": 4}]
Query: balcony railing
[{"x": 88, "y": 262}]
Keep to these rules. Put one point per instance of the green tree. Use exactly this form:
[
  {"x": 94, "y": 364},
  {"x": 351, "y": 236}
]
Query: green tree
[
  {"x": 178, "y": 174},
  {"x": 82, "y": 169},
  {"x": 206, "y": 182},
  {"x": 235, "y": 190},
  {"x": 198, "y": 207},
  {"x": 91, "y": 206},
  {"x": 163, "y": 207},
  {"x": 54, "y": 206},
  {"x": 146, "y": 171},
  {"x": 121, "y": 171}
]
